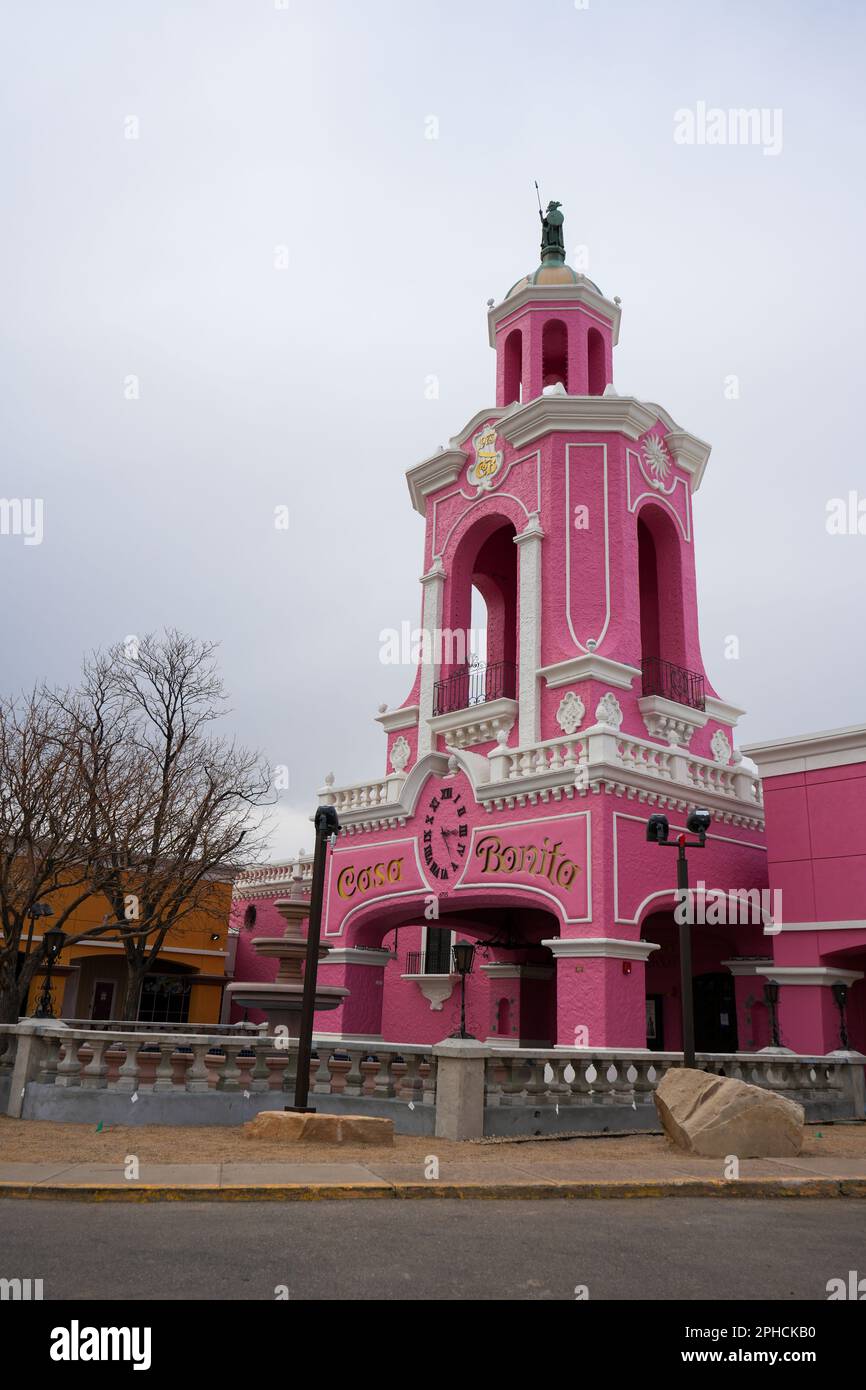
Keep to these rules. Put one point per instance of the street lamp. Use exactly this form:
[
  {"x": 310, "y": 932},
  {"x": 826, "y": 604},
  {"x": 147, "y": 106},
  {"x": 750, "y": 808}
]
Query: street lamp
[
  {"x": 771, "y": 999},
  {"x": 53, "y": 941},
  {"x": 840, "y": 994},
  {"x": 327, "y": 824},
  {"x": 37, "y": 910},
  {"x": 658, "y": 831},
  {"x": 464, "y": 957}
]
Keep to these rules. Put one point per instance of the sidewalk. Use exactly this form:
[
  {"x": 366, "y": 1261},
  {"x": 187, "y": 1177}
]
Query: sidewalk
[{"x": 505, "y": 1177}]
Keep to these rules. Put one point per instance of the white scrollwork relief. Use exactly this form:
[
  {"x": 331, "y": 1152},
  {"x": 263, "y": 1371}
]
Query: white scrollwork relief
[
  {"x": 720, "y": 746},
  {"x": 570, "y": 714},
  {"x": 657, "y": 459},
  {"x": 400, "y": 754},
  {"x": 609, "y": 711}
]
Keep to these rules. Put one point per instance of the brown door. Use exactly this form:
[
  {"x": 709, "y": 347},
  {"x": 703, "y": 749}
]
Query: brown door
[{"x": 103, "y": 999}]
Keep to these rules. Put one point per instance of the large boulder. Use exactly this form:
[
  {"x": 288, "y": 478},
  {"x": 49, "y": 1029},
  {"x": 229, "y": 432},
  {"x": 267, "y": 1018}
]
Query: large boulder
[
  {"x": 714, "y": 1116},
  {"x": 291, "y": 1127}
]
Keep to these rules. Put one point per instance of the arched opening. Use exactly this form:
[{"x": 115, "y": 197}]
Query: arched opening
[
  {"x": 596, "y": 371},
  {"x": 662, "y": 613},
  {"x": 554, "y": 354},
  {"x": 513, "y": 381},
  {"x": 503, "y": 1018},
  {"x": 479, "y": 646}
]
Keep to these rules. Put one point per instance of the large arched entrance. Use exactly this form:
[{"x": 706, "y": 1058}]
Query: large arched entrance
[{"x": 510, "y": 993}]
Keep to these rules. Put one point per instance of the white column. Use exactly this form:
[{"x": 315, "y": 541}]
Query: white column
[
  {"x": 431, "y": 622},
  {"x": 529, "y": 631}
]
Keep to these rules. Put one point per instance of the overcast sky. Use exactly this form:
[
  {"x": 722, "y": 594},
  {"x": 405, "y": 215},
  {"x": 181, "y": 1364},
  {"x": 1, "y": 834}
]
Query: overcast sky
[{"x": 283, "y": 257}]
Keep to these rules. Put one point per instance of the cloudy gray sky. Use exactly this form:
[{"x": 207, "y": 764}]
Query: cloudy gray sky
[{"x": 282, "y": 259}]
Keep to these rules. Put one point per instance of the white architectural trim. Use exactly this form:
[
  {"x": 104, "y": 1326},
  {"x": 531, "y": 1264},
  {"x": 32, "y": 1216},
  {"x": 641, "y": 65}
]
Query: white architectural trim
[
  {"x": 356, "y": 955},
  {"x": 512, "y": 887},
  {"x": 599, "y": 947},
  {"x": 435, "y": 988},
  {"x": 825, "y": 975},
  {"x": 748, "y": 967},
  {"x": 529, "y": 543},
  {"x": 670, "y": 722},
  {"x": 434, "y": 474},
  {"x": 431, "y": 621},
  {"x": 503, "y": 970},
  {"x": 810, "y": 752},
  {"x": 823, "y": 926},
  {"x": 163, "y": 950},
  {"x": 722, "y": 711},
  {"x": 591, "y": 667},
  {"x": 476, "y": 724},
  {"x": 394, "y": 720}
]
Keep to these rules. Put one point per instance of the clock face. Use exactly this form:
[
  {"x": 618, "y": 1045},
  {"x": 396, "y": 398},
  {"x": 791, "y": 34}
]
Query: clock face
[{"x": 445, "y": 832}]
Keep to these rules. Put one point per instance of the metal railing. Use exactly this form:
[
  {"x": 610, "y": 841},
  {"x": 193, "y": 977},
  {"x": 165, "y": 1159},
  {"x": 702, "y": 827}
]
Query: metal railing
[
  {"x": 475, "y": 685},
  {"x": 672, "y": 682}
]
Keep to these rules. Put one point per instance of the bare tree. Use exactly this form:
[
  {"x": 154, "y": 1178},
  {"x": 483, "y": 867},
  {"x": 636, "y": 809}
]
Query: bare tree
[
  {"x": 46, "y": 831},
  {"x": 188, "y": 815},
  {"x": 119, "y": 791}
]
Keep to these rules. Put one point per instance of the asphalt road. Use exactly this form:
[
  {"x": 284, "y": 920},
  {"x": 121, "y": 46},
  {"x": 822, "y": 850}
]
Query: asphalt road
[{"x": 679, "y": 1248}]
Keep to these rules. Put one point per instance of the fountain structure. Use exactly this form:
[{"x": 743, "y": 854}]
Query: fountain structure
[{"x": 281, "y": 1000}]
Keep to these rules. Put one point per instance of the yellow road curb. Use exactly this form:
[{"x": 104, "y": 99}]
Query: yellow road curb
[{"x": 487, "y": 1191}]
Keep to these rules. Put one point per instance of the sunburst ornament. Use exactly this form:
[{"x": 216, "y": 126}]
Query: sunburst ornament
[{"x": 657, "y": 460}]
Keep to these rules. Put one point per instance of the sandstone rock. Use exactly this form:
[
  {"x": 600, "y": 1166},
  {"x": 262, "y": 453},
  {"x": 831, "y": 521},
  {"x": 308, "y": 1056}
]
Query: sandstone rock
[
  {"x": 714, "y": 1116},
  {"x": 286, "y": 1127}
]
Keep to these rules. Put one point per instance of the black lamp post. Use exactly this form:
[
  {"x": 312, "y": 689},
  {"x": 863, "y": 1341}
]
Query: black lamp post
[
  {"x": 327, "y": 824},
  {"x": 771, "y": 999},
  {"x": 37, "y": 910},
  {"x": 658, "y": 830},
  {"x": 53, "y": 941},
  {"x": 464, "y": 956},
  {"x": 840, "y": 994}
]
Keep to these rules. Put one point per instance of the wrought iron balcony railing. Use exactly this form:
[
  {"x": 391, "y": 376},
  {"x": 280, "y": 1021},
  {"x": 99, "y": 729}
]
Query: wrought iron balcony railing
[
  {"x": 474, "y": 685},
  {"x": 672, "y": 682},
  {"x": 417, "y": 963}
]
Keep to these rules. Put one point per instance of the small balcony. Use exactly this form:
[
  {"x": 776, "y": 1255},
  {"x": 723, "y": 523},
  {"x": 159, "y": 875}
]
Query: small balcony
[
  {"x": 672, "y": 683},
  {"x": 475, "y": 685}
]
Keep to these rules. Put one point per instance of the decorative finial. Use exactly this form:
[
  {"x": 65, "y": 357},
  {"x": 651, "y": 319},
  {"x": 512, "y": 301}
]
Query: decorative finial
[
  {"x": 490, "y": 303},
  {"x": 329, "y": 780},
  {"x": 382, "y": 708},
  {"x": 616, "y": 299}
]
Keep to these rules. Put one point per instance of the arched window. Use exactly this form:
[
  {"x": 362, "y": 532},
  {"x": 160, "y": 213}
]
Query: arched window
[
  {"x": 595, "y": 363},
  {"x": 662, "y": 615},
  {"x": 513, "y": 385},
  {"x": 554, "y": 353},
  {"x": 482, "y": 604}
]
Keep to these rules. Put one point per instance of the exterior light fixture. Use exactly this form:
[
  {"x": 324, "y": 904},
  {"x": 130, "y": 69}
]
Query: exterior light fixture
[
  {"x": 464, "y": 958},
  {"x": 53, "y": 942},
  {"x": 840, "y": 994},
  {"x": 658, "y": 832},
  {"x": 771, "y": 999}
]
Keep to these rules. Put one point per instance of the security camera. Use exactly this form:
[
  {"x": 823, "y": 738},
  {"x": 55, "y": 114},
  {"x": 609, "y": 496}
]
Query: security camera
[
  {"x": 657, "y": 829},
  {"x": 699, "y": 821}
]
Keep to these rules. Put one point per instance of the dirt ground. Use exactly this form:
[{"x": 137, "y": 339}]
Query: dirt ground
[{"x": 43, "y": 1141}]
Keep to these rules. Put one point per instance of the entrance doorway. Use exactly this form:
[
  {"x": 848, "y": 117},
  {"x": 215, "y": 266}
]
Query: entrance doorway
[
  {"x": 103, "y": 999},
  {"x": 715, "y": 1012}
]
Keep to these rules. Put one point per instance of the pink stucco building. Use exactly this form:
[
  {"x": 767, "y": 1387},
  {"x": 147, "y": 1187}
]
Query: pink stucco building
[{"x": 512, "y": 805}]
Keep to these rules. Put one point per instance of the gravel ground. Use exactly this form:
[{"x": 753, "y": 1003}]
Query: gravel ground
[{"x": 44, "y": 1141}]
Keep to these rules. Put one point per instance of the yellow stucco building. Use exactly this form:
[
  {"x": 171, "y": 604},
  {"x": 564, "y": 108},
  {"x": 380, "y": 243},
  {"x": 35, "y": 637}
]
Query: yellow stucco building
[{"x": 184, "y": 985}]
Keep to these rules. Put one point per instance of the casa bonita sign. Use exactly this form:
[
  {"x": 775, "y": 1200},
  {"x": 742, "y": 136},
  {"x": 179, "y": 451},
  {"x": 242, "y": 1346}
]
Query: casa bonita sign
[{"x": 502, "y": 856}]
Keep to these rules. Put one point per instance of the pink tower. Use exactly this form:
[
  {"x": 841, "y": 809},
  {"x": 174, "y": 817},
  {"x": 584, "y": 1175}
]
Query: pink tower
[{"x": 514, "y": 801}]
